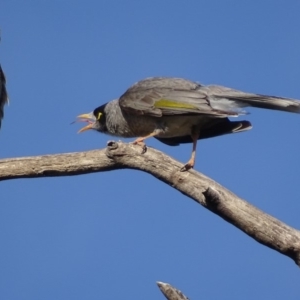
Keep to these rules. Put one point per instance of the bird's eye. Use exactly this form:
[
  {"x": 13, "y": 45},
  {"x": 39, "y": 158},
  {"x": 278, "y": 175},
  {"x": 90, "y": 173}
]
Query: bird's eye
[{"x": 99, "y": 115}]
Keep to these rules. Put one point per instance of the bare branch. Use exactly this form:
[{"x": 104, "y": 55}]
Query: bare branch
[{"x": 260, "y": 226}]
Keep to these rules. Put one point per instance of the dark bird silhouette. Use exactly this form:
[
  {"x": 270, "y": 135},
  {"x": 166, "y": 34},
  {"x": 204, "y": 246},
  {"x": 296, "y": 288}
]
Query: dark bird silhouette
[{"x": 3, "y": 94}]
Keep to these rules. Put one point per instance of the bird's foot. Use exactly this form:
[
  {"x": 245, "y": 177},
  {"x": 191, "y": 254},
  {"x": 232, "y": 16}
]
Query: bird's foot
[
  {"x": 140, "y": 142},
  {"x": 189, "y": 165}
]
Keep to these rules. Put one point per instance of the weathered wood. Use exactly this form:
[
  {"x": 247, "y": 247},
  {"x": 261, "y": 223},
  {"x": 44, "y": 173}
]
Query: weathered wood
[
  {"x": 170, "y": 292},
  {"x": 260, "y": 226}
]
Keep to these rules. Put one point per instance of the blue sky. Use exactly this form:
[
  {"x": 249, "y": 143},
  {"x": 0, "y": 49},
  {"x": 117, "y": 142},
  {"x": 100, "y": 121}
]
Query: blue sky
[{"x": 112, "y": 235}]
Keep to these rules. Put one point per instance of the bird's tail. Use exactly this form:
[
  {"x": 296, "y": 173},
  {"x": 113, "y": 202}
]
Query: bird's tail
[
  {"x": 220, "y": 96},
  {"x": 271, "y": 102}
]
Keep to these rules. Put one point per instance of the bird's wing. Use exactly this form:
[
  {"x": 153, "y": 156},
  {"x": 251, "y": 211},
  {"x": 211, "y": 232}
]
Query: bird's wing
[
  {"x": 160, "y": 96},
  {"x": 3, "y": 94}
]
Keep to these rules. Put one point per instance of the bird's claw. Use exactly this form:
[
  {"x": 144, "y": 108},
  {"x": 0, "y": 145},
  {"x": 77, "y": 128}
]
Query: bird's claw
[
  {"x": 142, "y": 145},
  {"x": 189, "y": 165}
]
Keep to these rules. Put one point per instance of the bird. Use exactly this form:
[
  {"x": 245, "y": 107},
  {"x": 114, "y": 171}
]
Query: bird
[
  {"x": 3, "y": 94},
  {"x": 177, "y": 111}
]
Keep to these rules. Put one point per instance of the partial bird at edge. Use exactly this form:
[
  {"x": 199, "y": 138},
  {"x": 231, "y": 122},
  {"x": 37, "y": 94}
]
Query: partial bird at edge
[{"x": 3, "y": 94}]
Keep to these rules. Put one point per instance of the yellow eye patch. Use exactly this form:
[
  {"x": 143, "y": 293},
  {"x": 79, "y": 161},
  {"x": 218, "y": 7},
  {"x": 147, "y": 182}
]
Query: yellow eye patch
[{"x": 99, "y": 115}]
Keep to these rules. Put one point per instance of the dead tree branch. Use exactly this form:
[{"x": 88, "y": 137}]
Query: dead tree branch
[
  {"x": 170, "y": 292},
  {"x": 260, "y": 226}
]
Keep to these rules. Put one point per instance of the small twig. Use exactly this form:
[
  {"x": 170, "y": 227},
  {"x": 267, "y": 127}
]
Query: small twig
[{"x": 170, "y": 292}]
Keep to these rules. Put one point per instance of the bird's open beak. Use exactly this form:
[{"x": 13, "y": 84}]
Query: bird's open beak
[{"x": 89, "y": 118}]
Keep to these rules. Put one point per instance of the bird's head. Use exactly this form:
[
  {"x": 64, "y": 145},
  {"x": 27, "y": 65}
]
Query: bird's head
[{"x": 96, "y": 120}]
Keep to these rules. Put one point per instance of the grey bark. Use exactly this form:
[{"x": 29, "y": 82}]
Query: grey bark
[
  {"x": 170, "y": 292},
  {"x": 262, "y": 227}
]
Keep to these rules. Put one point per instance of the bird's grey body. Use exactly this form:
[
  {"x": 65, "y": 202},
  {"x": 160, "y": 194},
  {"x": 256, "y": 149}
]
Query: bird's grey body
[
  {"x": 129, "y": 125},
  {"x": 176, "y": 111}
]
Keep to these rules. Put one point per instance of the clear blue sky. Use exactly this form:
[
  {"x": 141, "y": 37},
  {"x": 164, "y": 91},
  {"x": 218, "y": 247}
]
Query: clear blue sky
[{"x": 113, "y": 235}]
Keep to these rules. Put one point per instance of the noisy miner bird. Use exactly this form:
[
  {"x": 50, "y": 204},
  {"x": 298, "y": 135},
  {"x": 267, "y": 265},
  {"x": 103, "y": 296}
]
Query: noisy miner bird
[
  {"x": 3, "y": 94},
  {"x": 176, "y": 111}
]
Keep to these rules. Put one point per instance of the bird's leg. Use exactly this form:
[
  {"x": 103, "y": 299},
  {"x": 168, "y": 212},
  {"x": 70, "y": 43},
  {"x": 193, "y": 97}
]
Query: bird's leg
[
  {"x": 190, "y": 164},
  {"x": 140, "y": 141}
]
